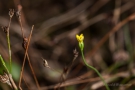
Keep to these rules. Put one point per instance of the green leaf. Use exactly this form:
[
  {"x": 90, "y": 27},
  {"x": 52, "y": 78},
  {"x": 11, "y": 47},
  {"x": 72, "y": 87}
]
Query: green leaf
[
  {"x": 15, "y": 70},
  {"x": 4, "y": 67}
]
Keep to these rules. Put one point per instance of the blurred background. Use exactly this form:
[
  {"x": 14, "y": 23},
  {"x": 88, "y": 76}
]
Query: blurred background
[{"x": 109, "y": 30}]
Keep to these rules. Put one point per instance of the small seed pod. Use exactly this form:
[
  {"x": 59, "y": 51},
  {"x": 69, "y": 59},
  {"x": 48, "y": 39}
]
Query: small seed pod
[
  {"x": 5, "y": 79},
  {"x": 11, "y": 12},
  {"x": 5, "y": 29},
  {"x": 25, "y": 42},
  {"x": 75, "y": 52},
  {"x": 18, "y": 11},
  {"x": 45, "y": 63}
]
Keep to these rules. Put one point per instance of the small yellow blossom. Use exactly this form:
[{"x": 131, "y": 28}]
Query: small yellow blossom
[{"x": 80, "y": 40}]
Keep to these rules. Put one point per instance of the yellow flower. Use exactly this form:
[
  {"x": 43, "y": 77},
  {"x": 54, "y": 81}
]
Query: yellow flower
[{"x": 80, "y": 38}]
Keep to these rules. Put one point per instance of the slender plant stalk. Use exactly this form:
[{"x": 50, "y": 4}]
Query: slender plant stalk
[
  {"x": 32, "y": 70},
  {"x": 3, "y": 63},
  {"x": 10, "y": 76},
  {"x": 26, "y": 55},
  {"x": 65, "y": 73},
  {"x": 20, "y": 22},
  {"x": 9, "y": 49},
  {"x": 12, "y": 82},
  {"x": 80, "y": 39},
  {"x": 26, "y": 83},
  {"x": 95, "y": 71},
  {"x": 24, "y": 59}
]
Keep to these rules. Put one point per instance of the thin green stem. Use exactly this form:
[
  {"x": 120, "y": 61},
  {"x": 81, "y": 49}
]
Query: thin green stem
[
  {"x": 3, "y": 63},
  {"x": 9, "y": 49},
  {"x": 95, "y": 71}
]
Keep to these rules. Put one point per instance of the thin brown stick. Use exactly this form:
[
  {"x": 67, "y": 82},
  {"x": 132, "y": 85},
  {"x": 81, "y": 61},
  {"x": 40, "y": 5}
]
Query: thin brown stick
[
  {"x": 33, "y": 72},
  {"x": 8, "y": 41},
  {"x": 18, "y": 14},
  {"x": 25, "y": 58},
  {"x": 26, "y": 82},
  {"x": 11, "y": 13},
  {"x": 66, "y": 70},
  {"x": 62, "y": 79},
  {"x": 12, "y": 82},
  {"x": 80, "y": 81},
  {"x": 90, "y": 22},
  {"x": 20, "y": 22}
]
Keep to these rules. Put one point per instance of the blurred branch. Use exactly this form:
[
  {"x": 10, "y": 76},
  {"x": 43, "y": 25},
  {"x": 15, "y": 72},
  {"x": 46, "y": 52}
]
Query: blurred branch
[
  {"x": 69, "y": 16},
  {"x": 92, "y": 21},
  {"x": 95, "y": 85},
  {"x": 115, "y": 29}
]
